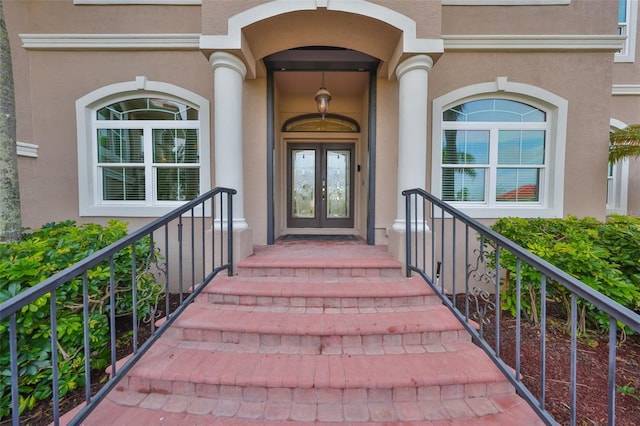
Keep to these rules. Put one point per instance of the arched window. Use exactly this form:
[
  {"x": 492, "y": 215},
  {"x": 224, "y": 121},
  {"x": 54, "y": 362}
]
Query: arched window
[
  {"x": 142, "y": 153},
  {"x": 498, "y": 153},
  {"x": 617, "y": 179},
  {"x": 317, "y": 123}
]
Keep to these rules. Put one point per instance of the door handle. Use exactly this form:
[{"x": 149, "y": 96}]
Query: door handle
[{"x": 324, "y": 190}]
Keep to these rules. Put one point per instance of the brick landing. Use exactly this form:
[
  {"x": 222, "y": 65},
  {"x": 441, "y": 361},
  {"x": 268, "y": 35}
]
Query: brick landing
[{"x": 315, "y": 333}]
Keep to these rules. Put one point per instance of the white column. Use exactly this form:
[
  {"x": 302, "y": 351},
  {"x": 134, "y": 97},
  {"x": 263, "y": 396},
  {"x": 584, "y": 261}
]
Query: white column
[
  {"x": 413, "y": 79},
  {"x": 228, "y": 76}
]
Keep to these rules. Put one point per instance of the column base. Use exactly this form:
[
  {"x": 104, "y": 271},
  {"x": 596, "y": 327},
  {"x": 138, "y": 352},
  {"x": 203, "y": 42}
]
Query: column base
[
  {"x": 242, "y": 244},
  {"x": 397, "y": 247}
]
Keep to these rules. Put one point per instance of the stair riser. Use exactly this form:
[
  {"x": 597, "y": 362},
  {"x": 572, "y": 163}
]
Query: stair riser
[
  {"x": 314, "y": 395},
  {"x": 373, "y": 344},
  {"x": 318, "y": 302},
  {"x": 320, "y": 273}
]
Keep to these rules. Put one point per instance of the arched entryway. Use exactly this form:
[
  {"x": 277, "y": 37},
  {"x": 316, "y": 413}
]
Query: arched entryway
[{"x": 280, "y": 38}]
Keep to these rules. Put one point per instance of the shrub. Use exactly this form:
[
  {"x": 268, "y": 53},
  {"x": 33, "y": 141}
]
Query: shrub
[
  {"x": 38, "y": 256},
  {"x": 605, "y": 256}
]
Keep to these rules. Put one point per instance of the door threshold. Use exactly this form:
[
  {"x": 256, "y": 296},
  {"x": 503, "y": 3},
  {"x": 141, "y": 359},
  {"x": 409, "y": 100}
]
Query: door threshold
[{"x": 319, "y": 237}]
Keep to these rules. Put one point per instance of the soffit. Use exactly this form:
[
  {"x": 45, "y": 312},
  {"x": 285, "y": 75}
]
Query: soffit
[{"x": 306, "y": 83}]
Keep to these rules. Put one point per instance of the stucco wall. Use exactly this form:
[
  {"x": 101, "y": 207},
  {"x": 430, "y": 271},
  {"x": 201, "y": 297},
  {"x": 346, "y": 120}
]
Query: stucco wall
[
  {"x": 578, "y": 17},
  {"x": 62, "y": 16},
  {"x": 59, "y": 79},
  {"x": 255, "y": 158},
  {"x": 386, "y": 157}
]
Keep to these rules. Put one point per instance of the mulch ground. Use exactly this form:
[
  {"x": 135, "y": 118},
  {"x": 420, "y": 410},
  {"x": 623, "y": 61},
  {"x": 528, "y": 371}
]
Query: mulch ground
[{"x": 592, "y": 370}]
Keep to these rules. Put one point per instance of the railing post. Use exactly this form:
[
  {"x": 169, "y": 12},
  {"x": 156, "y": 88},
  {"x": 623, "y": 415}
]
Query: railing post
[
  {"x": 230, "y": 231},
  {"x": 407, "y": 199}
]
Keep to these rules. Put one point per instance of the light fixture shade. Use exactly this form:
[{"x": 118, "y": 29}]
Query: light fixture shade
[{"x": 323, "y": 97}]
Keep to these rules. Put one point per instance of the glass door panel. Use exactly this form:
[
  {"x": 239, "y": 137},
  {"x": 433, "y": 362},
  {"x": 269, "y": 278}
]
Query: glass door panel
[
  {"x": 303, "y": 183},
  {"x": 338, "y": 183}
]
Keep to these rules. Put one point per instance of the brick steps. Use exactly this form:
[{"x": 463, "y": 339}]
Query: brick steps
[{"x": 315, "y": 334}]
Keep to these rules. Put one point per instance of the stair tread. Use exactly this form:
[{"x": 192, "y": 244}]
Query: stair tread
[
  {"x": 312, "y": 287},
  {"x": 172, "y": 362},
  {"x": 123, "y": 406},
  {"x": 322, "y": 263},
  {"x": 330, "y": 256},
  {"x": 282, "y": 320}
]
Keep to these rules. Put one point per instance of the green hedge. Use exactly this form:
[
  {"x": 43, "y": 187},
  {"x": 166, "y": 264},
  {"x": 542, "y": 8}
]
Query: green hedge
[
  {"x": 605, "y": 256},
  {"x": 41, "y": 254}
]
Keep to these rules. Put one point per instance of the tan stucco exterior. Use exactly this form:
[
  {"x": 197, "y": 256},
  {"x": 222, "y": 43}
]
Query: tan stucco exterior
[{"x": 565, "y": 49}]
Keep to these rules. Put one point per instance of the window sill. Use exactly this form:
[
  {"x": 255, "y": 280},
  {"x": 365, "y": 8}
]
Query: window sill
[
  {"x": 122, "y": 210},
  {"x": 495, "y": 213}
]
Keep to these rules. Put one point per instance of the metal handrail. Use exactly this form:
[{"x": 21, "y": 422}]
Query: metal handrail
[
  {"x": 422, "y": 210},
  {"x": 218, "y": 200}
]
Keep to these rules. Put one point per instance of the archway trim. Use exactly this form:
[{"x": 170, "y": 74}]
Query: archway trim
[{"x": 235, "y": 41}]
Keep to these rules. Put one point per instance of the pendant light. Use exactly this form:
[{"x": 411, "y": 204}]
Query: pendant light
[{"x": 323, "y": 97}]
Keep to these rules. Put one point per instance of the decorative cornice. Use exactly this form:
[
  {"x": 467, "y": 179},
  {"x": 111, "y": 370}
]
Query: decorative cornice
[
  {"x": 626, "y": 89},
  {"x": 27, "y": 149},
  {"x": 534, "y": 42},
  {"x": 609, "y": 43},
  {"x": 110, "y": 41}
]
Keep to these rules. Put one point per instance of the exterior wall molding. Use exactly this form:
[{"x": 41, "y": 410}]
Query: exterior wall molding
[
  {"x": 626, "y": 89},
  {"x": 196, "y": 41},
  {"x": 27, "y": 149},
  {"x": 534, "y": 42},
  {"x": 110, "y": 41}
]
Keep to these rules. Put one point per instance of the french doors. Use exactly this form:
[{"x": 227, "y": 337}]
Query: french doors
[{"x": 320, "y": 185}]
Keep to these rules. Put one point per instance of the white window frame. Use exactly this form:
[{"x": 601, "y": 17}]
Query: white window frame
[
  {"x": 618, "y": 181},
  {"x": 629, "y": 28},
  {"x": 89, "y": 182},
  {"x": 551, "y": 203}
]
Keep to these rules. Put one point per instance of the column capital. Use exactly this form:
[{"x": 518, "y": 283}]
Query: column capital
[
  {"x": 227, "y": 60},
  {"x": 417, "y": 62}
]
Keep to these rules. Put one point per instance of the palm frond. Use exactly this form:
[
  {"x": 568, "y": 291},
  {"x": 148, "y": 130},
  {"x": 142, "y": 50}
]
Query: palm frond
[{"x": 624, "y": 143}]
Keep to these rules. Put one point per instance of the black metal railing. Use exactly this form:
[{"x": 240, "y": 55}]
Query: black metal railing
[
  {"x": 463, "y": 261},
  {"x": 185, "y": 249}
]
